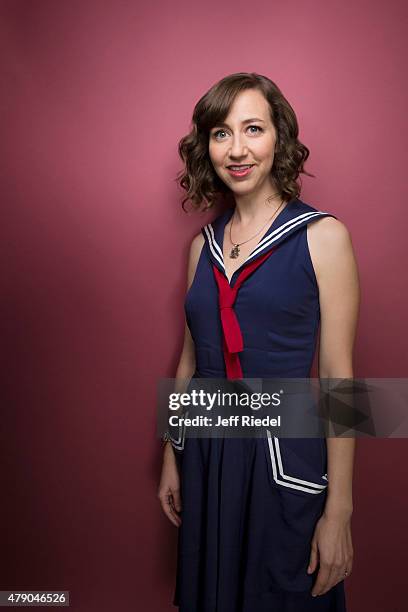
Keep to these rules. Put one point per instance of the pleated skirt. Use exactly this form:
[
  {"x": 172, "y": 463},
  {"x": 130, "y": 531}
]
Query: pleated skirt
[{"x": 244, "y": 540}]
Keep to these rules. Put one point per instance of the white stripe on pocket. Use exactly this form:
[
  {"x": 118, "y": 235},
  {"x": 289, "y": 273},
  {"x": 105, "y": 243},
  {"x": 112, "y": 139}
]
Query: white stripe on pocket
[
  {"x": 178, "y": 443},
  {"x": 283, "y": 479}
]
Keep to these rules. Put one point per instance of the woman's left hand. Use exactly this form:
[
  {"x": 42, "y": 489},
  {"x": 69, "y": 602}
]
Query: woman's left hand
[{"x": 332, "y": 550}]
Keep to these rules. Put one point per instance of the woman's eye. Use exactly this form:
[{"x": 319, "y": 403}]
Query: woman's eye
[{"x": 257, "y": 128}]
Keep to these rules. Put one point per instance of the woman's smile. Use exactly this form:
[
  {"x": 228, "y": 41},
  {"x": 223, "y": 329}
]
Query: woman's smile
[{"x": 240, "y": 171}]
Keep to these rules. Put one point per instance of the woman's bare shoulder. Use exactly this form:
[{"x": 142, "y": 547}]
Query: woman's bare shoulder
[
  {"x": 330, "y": 245},
  {"x": 327, "y": 229},
  {"x": 196, "y": 246},
  {"x": 197, "y": 243}
]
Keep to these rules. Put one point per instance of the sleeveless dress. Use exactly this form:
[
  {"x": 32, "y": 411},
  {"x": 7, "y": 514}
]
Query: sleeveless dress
[{"x": 250, "y": 506}]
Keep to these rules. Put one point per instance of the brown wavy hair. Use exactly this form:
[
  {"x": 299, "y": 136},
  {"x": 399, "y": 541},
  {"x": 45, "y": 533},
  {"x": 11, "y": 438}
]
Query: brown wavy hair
[{"x": 203, "y": 186}]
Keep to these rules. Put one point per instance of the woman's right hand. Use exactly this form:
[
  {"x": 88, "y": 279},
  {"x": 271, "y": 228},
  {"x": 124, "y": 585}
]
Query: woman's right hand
[{"x": 169, "y": 487}]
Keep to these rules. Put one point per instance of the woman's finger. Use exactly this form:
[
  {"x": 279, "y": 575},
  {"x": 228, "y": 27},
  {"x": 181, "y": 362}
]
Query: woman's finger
[
  {"x": 174, "y": 511},
  {"x": 313, "y": 559},
  {"x": 337, "y": 574},
  {"x": 176, "y": 499},
  {"x": 169, "y": 511},
  {"x": 322, "y": 579}
]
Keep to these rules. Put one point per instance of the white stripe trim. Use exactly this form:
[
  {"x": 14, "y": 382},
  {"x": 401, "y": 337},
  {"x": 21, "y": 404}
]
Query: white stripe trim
[
  {"x": 210, "y": 243},
  {"x": 179, "y": 442},
  {"x": 266, "y": 241},
  {"x": 216, "y": 245},
  {"x": 272, "y": 237},
  {"x": 275, "y": 231},
  {"x": 310, "y": 487}
]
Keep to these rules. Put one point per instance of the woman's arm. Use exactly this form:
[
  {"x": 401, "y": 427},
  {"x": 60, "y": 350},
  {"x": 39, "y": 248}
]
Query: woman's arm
[
  {"x": 169, "y": 486},
  {"x": 187, "y": 364},
  {"x": 336, "y": 272}
]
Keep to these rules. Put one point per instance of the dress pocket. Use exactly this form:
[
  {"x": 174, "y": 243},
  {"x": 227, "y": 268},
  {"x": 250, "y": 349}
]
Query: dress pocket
[
  {"x": 177, "y": 437},
  {"x": 297, "y": 465},
  {"x": 177, "y": 433}
]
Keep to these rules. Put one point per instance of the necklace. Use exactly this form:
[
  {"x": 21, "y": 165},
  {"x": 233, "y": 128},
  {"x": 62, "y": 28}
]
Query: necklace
[{"x": 235, "y": 245}]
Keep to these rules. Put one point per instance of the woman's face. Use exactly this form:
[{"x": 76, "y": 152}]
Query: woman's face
[{"x": 247, "y": 136}]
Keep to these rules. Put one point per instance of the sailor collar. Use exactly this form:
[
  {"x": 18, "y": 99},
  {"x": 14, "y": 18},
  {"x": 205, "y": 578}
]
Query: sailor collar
[{"x": 293, "y": 217}]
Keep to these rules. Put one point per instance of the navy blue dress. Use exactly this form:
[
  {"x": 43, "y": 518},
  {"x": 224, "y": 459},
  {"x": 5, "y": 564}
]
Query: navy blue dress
[{"x": 250, "y": 506}]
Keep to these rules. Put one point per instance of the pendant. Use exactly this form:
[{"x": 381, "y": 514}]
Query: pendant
[{"x": 234, "y": 252}]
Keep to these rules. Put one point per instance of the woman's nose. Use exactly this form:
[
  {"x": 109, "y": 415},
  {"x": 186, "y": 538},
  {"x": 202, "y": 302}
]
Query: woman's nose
[{"x": 238, "y": 147}]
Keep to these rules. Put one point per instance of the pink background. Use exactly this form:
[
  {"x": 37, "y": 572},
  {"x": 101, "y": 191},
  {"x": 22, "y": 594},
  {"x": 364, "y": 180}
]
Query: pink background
[{"x": 95, "y": 97}]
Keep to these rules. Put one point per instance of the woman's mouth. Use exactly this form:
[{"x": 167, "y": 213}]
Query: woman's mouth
[{"x": 240, "y": 170}]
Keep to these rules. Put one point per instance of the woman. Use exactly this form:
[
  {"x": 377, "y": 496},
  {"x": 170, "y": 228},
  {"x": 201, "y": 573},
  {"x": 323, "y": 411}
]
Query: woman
[{"x": 264, "y": 525}]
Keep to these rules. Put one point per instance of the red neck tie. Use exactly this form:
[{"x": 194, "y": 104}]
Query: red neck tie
[{"x": 232, "y": 336}]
